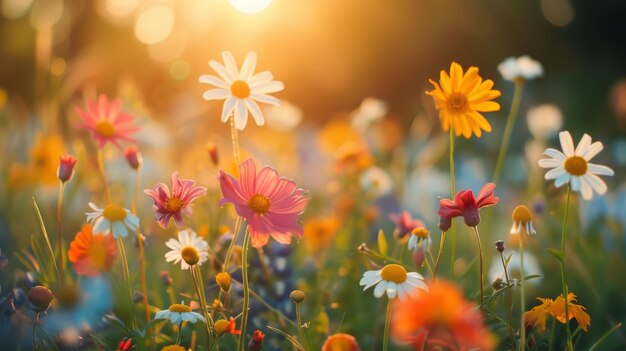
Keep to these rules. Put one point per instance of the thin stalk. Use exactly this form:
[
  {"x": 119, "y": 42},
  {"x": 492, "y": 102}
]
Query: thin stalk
[
  {"x": 452, "y": 193},
  {"x": 205, "y": 313},
  {"x": 508, "y": 129},
  {"x": 301, "y": 333},
  {"x": 107, "y": 192},
  {"x": 235, "y": 140},
  {"x": 506, "y": 275},
  {"x": 179, "y": 335},
  {"x": 563, "y": 281},
  {"x": 443, "y": 239},
  {"x": 60, "y": 231},
  {"x": 387, "y": 323},
  {"x": 480, "y": 252},
  {"x": 551, "y": 340},
  {"x": 34, "y": 328},
  {"x": 522, "y": 297},
  {"x": 120, "y": 244},
  {"x": 246, "y": 292},
  {"x": 142, "y": 256}
]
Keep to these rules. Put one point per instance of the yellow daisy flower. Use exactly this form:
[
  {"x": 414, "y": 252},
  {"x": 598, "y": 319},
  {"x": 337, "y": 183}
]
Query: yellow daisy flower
[{"x": 461, "y": 97}]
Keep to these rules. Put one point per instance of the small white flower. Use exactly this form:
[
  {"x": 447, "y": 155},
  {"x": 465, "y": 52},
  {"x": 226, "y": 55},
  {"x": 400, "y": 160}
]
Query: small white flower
[
  {"x": 394, "y": 280},
  {"x": 371, "y": 110},
  {"x": 178, "y": 313},
  {"x": 523, "y": 67},
  {"x": 284, "y": 117},
  {"x": 544, "y": 121},
  {"x": 112, "y": 219},
  {"x": 572, "y": 165},
  {"x": 241, "y": 89},
  {"x": 522, "y": 221},
  {"x": 419, "y": 237},
  {"x": 189, "y": 249},
  {"x": 376, "y": 181}
]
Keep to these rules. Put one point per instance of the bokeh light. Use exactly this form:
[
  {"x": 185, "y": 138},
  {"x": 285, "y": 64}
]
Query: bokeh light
[
  {"x": 250, "y": 6},
  {"x": 154, "y": 24}
]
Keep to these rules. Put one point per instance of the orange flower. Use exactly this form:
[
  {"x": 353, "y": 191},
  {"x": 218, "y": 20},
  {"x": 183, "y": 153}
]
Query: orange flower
[
  {"x": 556, "y": 308},
  {"x": 319, "y": 232},
  {"x": 460, "y": 97},
  {"x": 440, "y": 316},
  {"x": 341, "y": 342},
  {"x": 91, "y": 254}
]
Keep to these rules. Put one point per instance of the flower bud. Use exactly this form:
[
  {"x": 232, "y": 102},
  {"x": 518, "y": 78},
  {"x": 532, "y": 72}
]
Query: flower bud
[
  {"x": 444, "y": 223},
  {"x": 40, "y": 297},
  {"x": 223, "y": 280},
  {"x": 166, "y": 278},
  {"x": 257, "y": 341},
  {"x": 297, "y": 296},
  {"x": 211, "y": 148},
  {"x": 499, "y": 245},
  {"x": 133, "y": 156},
  {"x": 125, "y": 344},
  {"x": 66, "y": 167},
  {"x": 418, "y": 257}
]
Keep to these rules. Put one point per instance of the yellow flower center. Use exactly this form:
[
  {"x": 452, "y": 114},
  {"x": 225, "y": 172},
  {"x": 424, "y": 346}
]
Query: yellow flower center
[
  {"x": 457, "y": 102},
  {"x": 105, "y": 129},
  {"x": 576, "y": 165},
  {"x": 174, "y": 204},
  {"x": 190, "y": 254},
  {"x": 259, "y": 204},
  {"x": 97, "y": 254},
  {"x": 240, "y": 89},
  {"x": 114, "y": 213},
  {"x": 420, "y": 232},
  {"x": 393, "y": 273},
  {"x": 223, "y": 280},
  {"x": 178, "y": 307},
  {"x": 522, "y": 214}
]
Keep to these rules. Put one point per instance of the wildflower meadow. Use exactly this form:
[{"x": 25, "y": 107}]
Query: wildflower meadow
[{"x": 312, "y": 175}]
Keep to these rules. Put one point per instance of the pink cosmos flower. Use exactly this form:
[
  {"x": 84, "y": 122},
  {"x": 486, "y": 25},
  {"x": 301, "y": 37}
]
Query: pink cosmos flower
[
  {"x": 168, "y": 205},
  {"x": 404, "y": 223},
  {"x": 270, "y": 204},
  {"x": 106, "y": 121},
  {"x": 466, "y": 205}
]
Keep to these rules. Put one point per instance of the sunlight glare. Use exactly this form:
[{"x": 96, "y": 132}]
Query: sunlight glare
[{"x": 249, "y": 6}]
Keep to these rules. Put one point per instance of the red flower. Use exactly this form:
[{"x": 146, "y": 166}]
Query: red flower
[
  {"x": 66, "y": 167},
  {"x": 466, "y": 205},
  {"x": 404, "y": 223},
  {"x": 133, "y": 156},
  {"x": 125, "y": 344},
  {"x": 174, "y": 204},
  {"x": 257, "y": 341}
]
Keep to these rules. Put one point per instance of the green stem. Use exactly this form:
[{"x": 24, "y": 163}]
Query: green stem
[
  {"x": 452, "y": 193},
  {"x": 480, "y": 252},
  {"x": 551, "y": 340},
  {"x": 387, "y": 323},
  {"x": 120, "y": 243},
  {"x": 606, "y": 335},
  {"x": 563, "y": 280},
  {"x": 142, "y": 255},
  {"x": 301, "y": 333},
  {"x": 179, "y": 335},
  {"x": 522, "y": 297},
  {"x": 205, "y": 313},
  {"x": 508, "y": 129},
  {"x": 107, "y": 192},
  {"x": 506, "y": 276},
  {"x": 59, "y": 230},
  {"x": 443, "y": 239},
  {"x": 246, "y": 292}
]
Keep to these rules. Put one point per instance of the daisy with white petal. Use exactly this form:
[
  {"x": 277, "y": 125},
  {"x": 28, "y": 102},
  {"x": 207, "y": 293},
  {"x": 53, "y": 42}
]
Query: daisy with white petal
[
  {"x": 521, "y": 68},
  {"x": 241, "y": 89},
  {"x": 394, "y": 280},
  {"x": 522, "y": 221},
  {"x": 114, "y": 219},
  {"x": 178, "y": 313},
  {"x": 572, "y": 166},
  {"x": 189, "y": 249},
  {"x": 420, "y": 238}
]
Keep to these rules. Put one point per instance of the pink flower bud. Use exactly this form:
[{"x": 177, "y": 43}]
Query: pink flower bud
[
  {"x": 133, "y": 156},
  {"x": 418, "y": 257},
  {"x": 211, "y": 148},
  {"x": 66, "y": 167}
]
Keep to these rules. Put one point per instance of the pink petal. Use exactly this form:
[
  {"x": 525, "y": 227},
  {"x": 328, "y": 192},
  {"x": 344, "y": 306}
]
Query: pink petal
[
  {"x": 247, "y": 178},
  {"x": 231, "y": 189}
]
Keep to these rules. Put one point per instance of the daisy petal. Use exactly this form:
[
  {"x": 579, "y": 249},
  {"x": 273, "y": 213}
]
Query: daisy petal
[
  {"x": 567, "y": 144},
  {"x": 599, "y": 169}
]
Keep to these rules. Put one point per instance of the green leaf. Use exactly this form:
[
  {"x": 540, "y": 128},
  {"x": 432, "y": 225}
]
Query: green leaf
[
  {"x": 508, "y": 258},
  {"x": 556, "y": 253},
  {"x": 45, "y": 235},
  {"x": 288, "y": 337},
  {"x": 382, "y": 243}
]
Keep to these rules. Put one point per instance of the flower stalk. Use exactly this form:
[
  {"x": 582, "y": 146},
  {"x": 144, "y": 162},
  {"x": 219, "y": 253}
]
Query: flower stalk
[
  {"x": 510, "y": 312},
  {"x": 443, "y": 239},
  {"x": 60, "y": 231},
  {"x": 200, "y": 292},
  {"x": 452, "y": 192},
  {"x": 508, "y": 129},
  {"x": 246, "y": 292},
  {"x": 126, "y": 272},
  {"x": 563, "y": 280},
  {"x": 480, "y": 252},
  {"x": 387, "y": 324},
  {"x": 522, "y": 297}
]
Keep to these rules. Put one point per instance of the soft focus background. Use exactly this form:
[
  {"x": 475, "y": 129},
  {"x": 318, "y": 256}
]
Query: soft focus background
[{"x": 334, "y": 57}]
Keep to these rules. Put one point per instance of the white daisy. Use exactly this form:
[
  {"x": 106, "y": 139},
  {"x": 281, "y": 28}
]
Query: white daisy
[
  {"x": 189, "y": 249},
  {"x": 523, "y": 67},
  {"x": 394, "y": 280},
  {"x": 371, "y": 110},
  {"x": 522, "y": 221},
  {"x": 376, "y": 181},
  {"x": 420, "y": 237},
  {"x": 544, "y": 121},
  {"x": 241, "y": 89},
  {"x": 113, "y": 218},
  {"x": 178, "y": 313},
  {"x": 572, "y": 165}
]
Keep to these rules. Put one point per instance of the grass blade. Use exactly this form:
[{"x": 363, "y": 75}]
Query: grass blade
[{"x": 45, "y": 235}]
